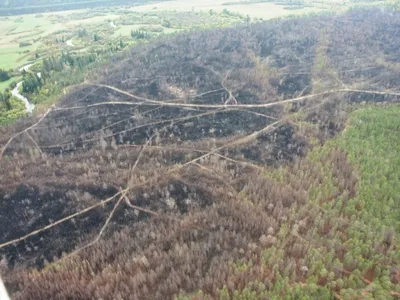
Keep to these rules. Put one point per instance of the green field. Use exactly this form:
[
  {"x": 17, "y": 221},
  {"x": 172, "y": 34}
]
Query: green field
[
  {"x": 15, "y": 57},
  {"x": 5, "y": 84},
  {"x": 266, "y": 10},
  {"x": 255, "y": 9}
]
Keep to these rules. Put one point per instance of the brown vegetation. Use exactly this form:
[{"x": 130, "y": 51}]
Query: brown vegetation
[{"x": 180, "y": 192}]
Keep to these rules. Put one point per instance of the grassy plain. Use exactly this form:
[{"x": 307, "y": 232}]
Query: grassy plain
[
  {"x": 5, "y": 84},
  {"x": 266, "y": 10},
  {"x": 255, "y": 9},
  {"x": 34, "y": 29}
]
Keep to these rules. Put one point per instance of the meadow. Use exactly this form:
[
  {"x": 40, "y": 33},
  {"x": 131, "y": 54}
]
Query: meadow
[
  {"x": 39, "y": 31},
  {"x": 257, "y": 9}
]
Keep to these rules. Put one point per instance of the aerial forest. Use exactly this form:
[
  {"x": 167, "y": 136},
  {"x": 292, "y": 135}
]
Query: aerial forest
[{"x": 260, "y": 161}]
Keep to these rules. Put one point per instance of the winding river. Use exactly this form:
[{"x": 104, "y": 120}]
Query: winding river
[
  {"x": 15, "y": 92},
  {"x": 25, "y": 68}
]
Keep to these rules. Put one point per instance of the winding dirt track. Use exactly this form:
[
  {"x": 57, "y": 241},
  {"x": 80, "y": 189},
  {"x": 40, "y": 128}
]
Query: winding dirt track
[
  {"x": 186, "y": 105},
  {"x": 238, "y": 141},
  {"x": 147, "y": 101}
]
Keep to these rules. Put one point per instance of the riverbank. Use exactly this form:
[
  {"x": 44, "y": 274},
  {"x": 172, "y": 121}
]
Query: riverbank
[{"x": 15, "y": 92}]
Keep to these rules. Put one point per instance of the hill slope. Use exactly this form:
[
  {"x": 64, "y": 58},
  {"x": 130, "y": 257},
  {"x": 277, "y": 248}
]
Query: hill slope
[{"x": 231, "y": 163}]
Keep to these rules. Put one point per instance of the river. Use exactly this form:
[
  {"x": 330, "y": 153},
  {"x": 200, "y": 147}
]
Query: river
[
  {"x": 25, "y": 68},
  {"x": 15, "y": 92}
]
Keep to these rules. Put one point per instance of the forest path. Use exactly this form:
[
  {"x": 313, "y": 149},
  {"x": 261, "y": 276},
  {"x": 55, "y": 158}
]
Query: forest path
[{"x": 187, "y": 105}]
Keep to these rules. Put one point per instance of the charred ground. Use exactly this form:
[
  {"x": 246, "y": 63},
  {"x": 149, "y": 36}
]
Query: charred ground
[{"x": 185, "y": 165}]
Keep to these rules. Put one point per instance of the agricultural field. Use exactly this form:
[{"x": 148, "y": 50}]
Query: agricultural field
[{"x": 258, "y": 161}]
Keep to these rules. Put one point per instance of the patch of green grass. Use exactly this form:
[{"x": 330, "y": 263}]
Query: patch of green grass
[
  {"x": 12, "y": 58},
  {"x": 265, "y": 10},
  {"x": 28, "y": 23},
  {"x": 5, "y": 84},
  {"x": 30, "y": 37}
]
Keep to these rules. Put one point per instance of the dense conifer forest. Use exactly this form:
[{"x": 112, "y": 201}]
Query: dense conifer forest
[{"x": 254, "y": 162}]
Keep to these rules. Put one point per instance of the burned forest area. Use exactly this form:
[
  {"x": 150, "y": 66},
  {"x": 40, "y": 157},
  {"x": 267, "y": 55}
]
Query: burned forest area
[{"x": 203, "y": 166}]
